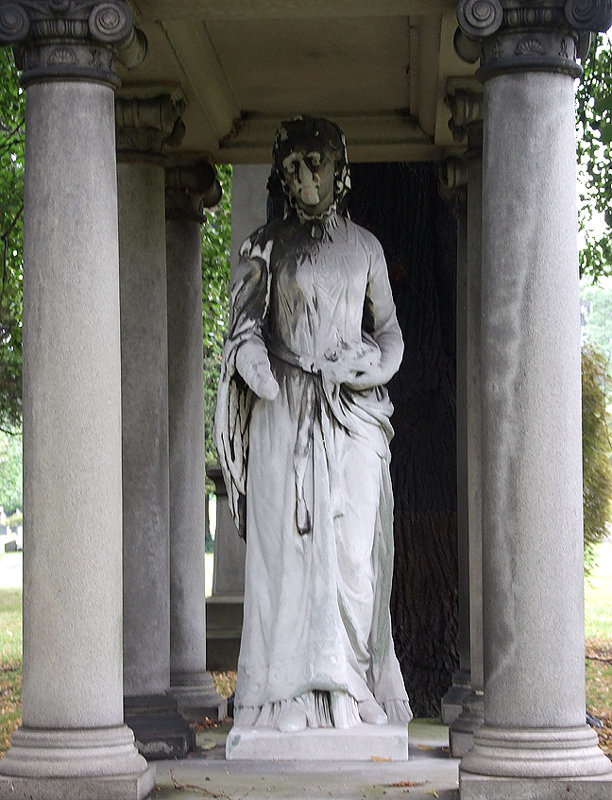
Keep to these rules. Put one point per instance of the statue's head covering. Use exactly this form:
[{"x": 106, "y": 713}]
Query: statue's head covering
[{"x": 312, "y": 133}]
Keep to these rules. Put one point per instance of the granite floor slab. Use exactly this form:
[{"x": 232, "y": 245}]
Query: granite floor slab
[{"x": 429, "y": 773}]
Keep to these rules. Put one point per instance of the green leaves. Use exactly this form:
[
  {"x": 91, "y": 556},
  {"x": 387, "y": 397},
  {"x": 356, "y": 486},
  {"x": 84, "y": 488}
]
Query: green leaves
[
  {"x": 216, "y": 236},
  {"x": 594, "y": 126},
  {"x": 12, "y": 140}
]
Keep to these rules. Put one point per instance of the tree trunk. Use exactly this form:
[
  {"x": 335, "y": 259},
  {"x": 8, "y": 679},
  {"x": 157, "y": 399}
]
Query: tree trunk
[{"x": 399, "y": 203}]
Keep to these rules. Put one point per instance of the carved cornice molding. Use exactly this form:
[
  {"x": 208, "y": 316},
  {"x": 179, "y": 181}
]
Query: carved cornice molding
[
  {"x": 190, "y": 189},
  {"x": 68, "y": 39},
  {"x": 145, "y": 126},
  {"x": 517, "y": 35}
]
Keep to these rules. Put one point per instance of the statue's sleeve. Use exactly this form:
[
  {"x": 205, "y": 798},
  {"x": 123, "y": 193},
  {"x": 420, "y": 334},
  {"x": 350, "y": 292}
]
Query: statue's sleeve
[
  {"x": 249, "y": 297},
  {"x": 380, "y": 312}
]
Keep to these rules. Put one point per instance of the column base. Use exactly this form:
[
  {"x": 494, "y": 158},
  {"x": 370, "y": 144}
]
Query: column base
[
  {"x": 481, "y": 787},
  {"x": 452, "y": 702},
  {"x": 535, "y": 753},
  {"x": 159, "y": 730},
  {"x": 462, "y": 730},
  {"x": 196, "y": 696},
  {"x": 224, "y": 614},
  {"x": 88, "y": 763}
]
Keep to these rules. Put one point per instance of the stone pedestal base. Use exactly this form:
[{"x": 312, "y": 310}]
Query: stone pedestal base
[
  {"x": 224, "y": 613},
  {"x": 480, "y": 787},
  {"x": 88, "y": 764},
  {"x": 197, "y": 701},
  {"x": 160, "y": 731},
  {"x": 452, "y": 702},
  {"x": 361, "y": 743},
  {"x": 461, "y": 731}
]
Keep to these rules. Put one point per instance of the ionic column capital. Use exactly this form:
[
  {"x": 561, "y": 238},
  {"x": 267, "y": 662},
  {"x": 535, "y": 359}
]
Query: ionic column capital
[
  {"x": 68, "y": 39},
  {"x": 519, "y": 35},
  {"x": 190, "y": 188},
  {"x": 146, "y": 125}
]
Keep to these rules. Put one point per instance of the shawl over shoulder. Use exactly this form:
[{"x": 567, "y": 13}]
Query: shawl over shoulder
[{"x": 250, "y": 298}]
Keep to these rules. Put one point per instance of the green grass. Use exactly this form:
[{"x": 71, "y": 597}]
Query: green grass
[
  {"x": 598, "y": 595},
  {"x": 10, "y": 627},
  {"x": 10, "y": 664}
]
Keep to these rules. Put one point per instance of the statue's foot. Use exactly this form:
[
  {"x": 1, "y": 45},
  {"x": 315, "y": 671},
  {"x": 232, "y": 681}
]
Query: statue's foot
[
  {"x": 372, "y": 713},
  {"x": 292, "y": 718}
]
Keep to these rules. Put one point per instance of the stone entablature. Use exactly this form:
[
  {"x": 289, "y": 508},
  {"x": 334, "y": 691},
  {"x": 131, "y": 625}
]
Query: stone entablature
[
  {"x": 511, "y": 35},
  {"x": 70, "y": 39}
]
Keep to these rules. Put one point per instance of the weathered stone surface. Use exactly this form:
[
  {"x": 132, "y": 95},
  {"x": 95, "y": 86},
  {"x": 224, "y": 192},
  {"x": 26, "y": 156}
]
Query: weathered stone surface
[
  {"x": 68, "y": 41},
  {"x": 361, "y": 743},
  {"x": 302, "y": 401},
  {"x": 532, "y": 492},
  {"x": 73, "y": 740},
  {"x": 479, "y": 787},
  {"x": 190, "y": 682},
  {"x": 144, "y": 375},
  {"x": 159, "y": 730},
  {"x": 461, "y": 731}
]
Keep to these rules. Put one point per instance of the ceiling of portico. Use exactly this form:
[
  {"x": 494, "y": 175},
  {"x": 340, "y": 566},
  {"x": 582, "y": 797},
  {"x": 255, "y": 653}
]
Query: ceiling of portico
[{"x": 379, "y": 68}]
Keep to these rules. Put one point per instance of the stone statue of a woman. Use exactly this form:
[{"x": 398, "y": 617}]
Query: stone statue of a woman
[{"x": 302, "y": 430}]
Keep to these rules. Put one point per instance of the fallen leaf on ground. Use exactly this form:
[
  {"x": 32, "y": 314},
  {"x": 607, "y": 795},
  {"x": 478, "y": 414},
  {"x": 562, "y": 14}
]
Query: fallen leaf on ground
[
  {"x": 380, "y": 758},
  {"x": 407, "y": 783},
  {"x": 195, "y": 788}
]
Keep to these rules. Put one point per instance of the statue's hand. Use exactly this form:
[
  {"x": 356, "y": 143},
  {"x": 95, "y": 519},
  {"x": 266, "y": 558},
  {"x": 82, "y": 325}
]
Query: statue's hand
[
  {"x": 356, "y": 369},
  {"x": 253, "y": 364}
]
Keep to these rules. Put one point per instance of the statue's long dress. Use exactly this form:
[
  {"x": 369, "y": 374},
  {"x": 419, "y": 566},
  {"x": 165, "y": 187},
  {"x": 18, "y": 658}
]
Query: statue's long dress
[{"x": 315, "y": 466}]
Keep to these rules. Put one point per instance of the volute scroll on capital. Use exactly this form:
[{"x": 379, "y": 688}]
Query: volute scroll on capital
[
  {"x": 190, "y": 189},
  {"x": 453, "y": 180},
  {"x": 524, "y": 35},
  {"x": 71, "y": 39},
  {"x": 466, "y": 107}
]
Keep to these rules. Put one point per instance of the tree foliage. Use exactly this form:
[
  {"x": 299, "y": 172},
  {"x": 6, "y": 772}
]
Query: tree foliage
[
  {"x": 596, "y": 451},
  {"x": 216, "y": 236},
  {"x": 594, "y": 123},
  {"x": 12, "y": 139},
  {"x": 597, "y": 306},
  {"x": 11, "y": 494}
]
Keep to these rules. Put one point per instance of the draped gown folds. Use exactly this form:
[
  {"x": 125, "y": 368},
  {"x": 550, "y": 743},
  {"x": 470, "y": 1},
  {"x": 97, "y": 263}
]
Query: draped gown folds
[{"x": 308, "y": 474}]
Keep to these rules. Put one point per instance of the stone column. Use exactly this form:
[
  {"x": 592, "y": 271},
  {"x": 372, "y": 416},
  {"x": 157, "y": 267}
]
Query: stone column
[
  {"x": 224, "y": 609},
  {"x": 189, "y": 189},
  {"x": 452, "y": 178},
  {"x": 466, "y": 123},
  {"x": 144, "y": 125},
  {"x": 534, "y": 741},
  {"x": 472, "y": 715},
  {"x": 73, "y": 742}
]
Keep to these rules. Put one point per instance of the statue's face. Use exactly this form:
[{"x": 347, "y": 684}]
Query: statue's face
[{"x": 310, "y": 177}]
